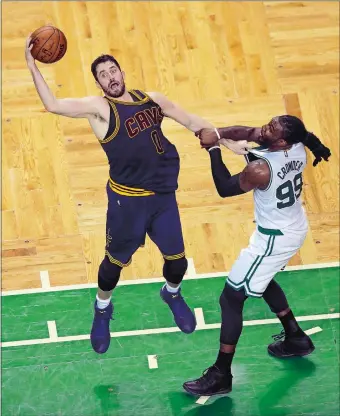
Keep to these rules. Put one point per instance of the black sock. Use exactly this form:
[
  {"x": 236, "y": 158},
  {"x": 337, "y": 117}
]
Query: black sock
[
  {"x": 290, "y": 325},
  {"x": 223, "y": 362}
]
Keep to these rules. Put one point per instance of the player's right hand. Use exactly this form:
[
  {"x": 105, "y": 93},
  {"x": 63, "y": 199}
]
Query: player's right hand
[
  {"x": 208, "y": 137},
  {"x": 28, "y": 55}
]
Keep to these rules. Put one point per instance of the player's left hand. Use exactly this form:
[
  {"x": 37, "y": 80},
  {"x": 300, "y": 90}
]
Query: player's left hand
[
  {"x": 240, "y": 147},
  {"x": 28, "y": 54}
]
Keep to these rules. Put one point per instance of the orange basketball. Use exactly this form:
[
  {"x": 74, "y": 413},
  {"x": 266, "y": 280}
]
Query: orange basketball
[{"x": 50, "y": 44}]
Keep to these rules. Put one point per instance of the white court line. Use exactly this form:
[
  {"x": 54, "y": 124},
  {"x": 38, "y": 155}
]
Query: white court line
[
  {"x": 203, "y": 399},
  {"x": 191, "y": 271},
  {"x": 155, "y": 280},
  {"x": 45, "y": 280},
  {"x": 275, "y": 320},
  {"x": 199, "y": 318},
  {"x": 52, "y": 330},
  {"x": 312, "y": 266},
  {"x": 160, "y": 331},
  {"x": 152, "y": 360},
  {"x": 313, "y": 330}
]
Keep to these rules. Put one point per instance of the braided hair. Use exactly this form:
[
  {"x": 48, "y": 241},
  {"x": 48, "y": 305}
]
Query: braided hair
[{"x": 295, "y": 131}]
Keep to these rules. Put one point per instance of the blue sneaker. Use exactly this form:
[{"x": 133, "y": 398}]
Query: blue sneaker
[
  {"x": 184, "y": 318},
  {"x": 100, "y": 332}
]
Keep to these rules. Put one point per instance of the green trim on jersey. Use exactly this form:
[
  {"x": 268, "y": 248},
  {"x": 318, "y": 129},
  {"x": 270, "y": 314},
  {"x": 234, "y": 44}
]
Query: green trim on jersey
[
  {"x": 268, "y": 231},
  {"x": 271, "y": 174},
  {"x": 268, "y": 163}
]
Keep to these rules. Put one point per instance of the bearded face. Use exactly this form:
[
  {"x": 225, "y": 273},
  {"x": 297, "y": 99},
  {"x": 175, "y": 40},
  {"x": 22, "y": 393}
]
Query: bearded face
[
  {"x": 271, "y": 133},
  {"x": 110, "y": 79}
]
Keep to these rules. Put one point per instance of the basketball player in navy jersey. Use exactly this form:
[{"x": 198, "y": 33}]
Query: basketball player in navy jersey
[{"x": 144, "y": 168}]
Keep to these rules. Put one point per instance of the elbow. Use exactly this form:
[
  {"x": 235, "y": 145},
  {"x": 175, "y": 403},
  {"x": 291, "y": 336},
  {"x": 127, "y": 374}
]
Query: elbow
[
  {"x": 230, "y": 191},
  {"x": 51, "y": 107},
  {"x": 221, "y": 189},
  {"x": 222, "y": 192}
]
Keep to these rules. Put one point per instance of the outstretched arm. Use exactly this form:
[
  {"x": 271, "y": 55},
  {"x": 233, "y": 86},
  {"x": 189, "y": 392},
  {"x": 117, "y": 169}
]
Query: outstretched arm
[
  {"x": 191, "y": 121},
  {"x": 224, "y": 135},
  {"x": 251, "y": 134},
  {"x": 81, "y": 107},
  {"x": 174, "y": 111},
  {"x": 255, "y": 175}
]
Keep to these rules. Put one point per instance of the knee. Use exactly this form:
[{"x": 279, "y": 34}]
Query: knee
[
  {"x": 108, "y": 275},
  {"x": 231, "y": 302},
  {"x": 174, "y": 270},
  {"x": 232, "y": 299}
]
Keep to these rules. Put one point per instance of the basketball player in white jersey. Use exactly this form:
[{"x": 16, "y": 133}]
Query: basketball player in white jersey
[{"x": 274, "y": 173}]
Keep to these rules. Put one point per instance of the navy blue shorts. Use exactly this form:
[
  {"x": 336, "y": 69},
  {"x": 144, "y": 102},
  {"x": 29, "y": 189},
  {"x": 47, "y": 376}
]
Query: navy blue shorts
[{"x": 130, "y": 218}]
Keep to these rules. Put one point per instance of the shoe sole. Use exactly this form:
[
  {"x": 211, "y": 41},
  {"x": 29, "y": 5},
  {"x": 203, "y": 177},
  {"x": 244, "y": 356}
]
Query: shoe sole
[
  {"x": 220, "y": 393},
  {"x": 302, "y": 354}
]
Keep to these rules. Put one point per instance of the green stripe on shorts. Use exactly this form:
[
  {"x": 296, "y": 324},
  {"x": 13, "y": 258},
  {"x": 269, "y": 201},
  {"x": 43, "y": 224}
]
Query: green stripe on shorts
[
  {"x": 267, "y": 253},
  {"x": 259, "y": 259}
]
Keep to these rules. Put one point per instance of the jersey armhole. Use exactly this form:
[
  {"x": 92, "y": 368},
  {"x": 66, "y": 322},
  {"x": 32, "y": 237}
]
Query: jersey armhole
[
  {"x": 271, "y": 175},
  {"x": 251, "y": 157},
  {"x": 114, "y": 124},
  {"x": 149, "y": 99}
]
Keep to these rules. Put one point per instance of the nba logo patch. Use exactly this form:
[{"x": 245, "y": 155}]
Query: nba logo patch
[{"x": 108, "y": 238}]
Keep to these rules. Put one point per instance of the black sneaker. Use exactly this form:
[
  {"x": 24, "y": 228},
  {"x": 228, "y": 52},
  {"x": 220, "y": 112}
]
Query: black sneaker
[
  {"x": 212, "y": 382},
  {"x": 297, "y": 346}
]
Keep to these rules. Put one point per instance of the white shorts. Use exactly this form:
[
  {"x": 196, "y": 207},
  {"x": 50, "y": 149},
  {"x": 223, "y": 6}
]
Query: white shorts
[{"x": 268, "y": 252}]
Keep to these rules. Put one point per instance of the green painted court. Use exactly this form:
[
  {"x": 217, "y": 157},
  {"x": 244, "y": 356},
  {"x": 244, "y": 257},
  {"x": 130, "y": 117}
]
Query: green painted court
[{"x": 57, "y": 374}]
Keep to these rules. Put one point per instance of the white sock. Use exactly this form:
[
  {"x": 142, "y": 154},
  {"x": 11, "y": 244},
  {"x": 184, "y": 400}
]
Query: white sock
[
  {"x": 172, "y": 289},
  {"x": 102, "y": 304}
]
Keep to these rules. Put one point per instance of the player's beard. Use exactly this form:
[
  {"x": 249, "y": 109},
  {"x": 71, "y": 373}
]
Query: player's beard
[
  {"x": 115, "y": 91},
  {"x": 262, "y": 140}
]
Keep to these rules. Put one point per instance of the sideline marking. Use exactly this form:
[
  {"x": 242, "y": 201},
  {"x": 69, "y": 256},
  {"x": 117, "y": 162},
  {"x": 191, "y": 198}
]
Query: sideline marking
[
  {"x": 191, "y": 271},
  {"x": 52, "y": 331},
  {"x": 155, "y": 280},
  {"x": 152, "y": 360},
  {"x": 199, "y": 318},
  {"x": 161, "y": 331},
  {"x": 45, "y": 280}
]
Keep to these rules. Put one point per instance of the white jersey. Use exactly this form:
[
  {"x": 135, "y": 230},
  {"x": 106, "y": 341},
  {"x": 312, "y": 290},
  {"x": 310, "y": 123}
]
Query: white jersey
[{"x": 279, "y": 206}]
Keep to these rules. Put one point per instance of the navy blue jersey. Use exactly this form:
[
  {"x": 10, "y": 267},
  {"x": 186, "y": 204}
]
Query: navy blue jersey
[{"x": 139, "y": 155}]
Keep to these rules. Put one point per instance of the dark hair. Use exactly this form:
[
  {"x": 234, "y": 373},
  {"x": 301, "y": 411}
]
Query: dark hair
[
  {"x": 100, "y": 60},
  {"x": 295, "y": 131}
]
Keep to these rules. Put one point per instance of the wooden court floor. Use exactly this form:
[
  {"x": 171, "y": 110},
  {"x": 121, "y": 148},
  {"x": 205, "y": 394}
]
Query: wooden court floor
[{"x": 230, "y": 62}]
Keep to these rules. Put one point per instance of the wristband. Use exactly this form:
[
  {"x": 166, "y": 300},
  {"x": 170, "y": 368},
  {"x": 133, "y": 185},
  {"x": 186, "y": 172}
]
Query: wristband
[{"x": 214, "y": 147}]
